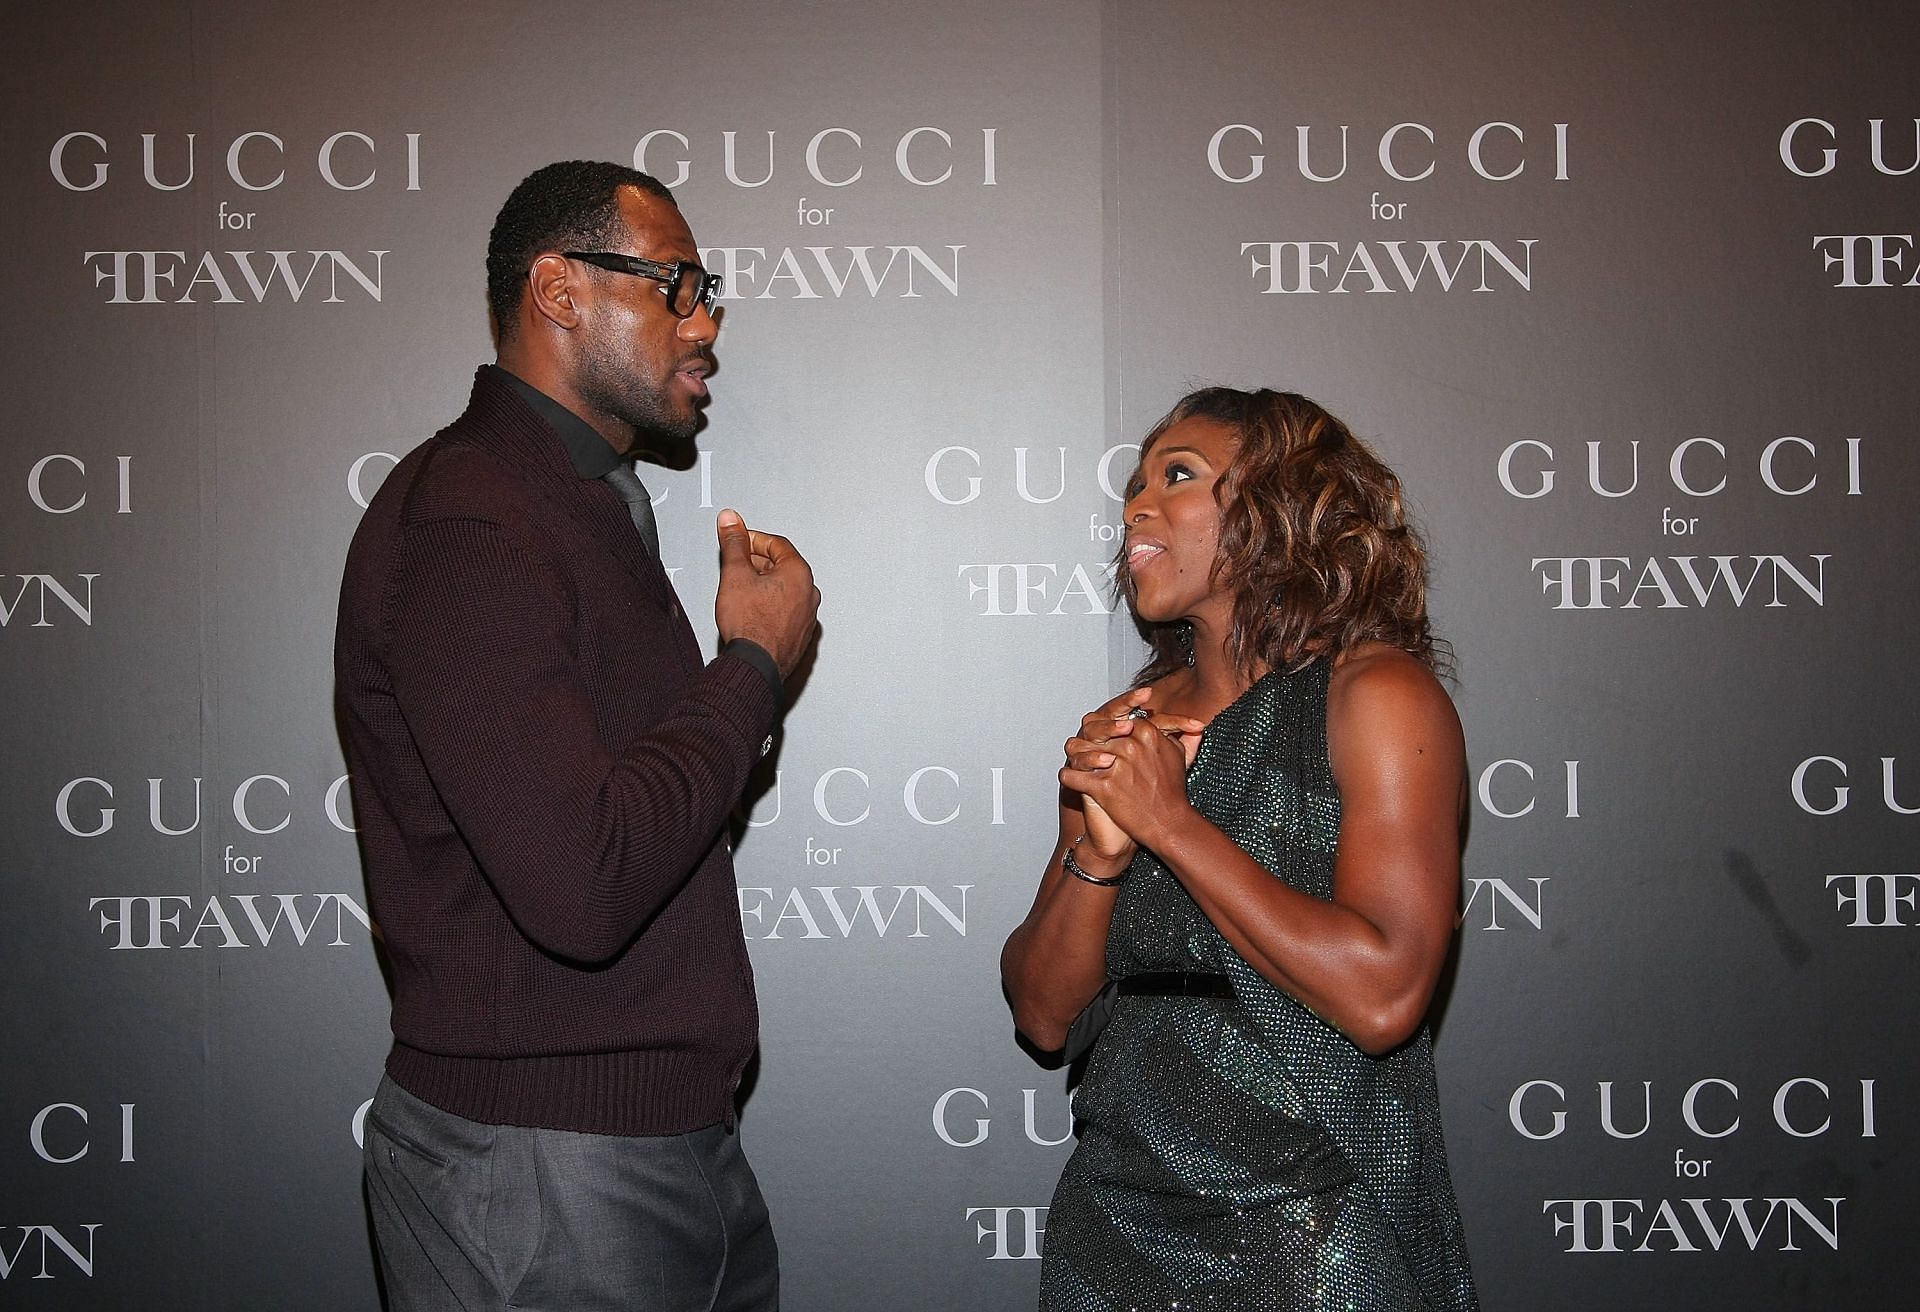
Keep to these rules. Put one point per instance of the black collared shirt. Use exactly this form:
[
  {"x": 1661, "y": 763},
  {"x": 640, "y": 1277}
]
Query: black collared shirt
[{"x": 594, "y": 457}]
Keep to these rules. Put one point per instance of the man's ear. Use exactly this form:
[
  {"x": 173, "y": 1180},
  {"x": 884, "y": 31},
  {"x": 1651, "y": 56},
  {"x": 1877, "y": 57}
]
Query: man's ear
[{"x": 551, "y": 288}]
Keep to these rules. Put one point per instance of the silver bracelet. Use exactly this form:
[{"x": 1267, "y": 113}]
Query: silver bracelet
[{"x": 1074, "y": 868}]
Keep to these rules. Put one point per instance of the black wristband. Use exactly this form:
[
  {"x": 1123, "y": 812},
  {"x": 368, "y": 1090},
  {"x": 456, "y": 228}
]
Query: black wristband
[{"x": 1070, "y": 864}]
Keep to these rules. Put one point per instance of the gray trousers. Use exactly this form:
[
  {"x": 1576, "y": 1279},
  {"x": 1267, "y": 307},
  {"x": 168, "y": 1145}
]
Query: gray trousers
[{"x": 470, "y": 1216}]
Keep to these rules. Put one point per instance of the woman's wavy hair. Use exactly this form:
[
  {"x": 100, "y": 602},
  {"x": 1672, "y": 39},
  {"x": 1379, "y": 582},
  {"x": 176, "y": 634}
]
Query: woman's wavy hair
[{"x": 1314, "y": 538}]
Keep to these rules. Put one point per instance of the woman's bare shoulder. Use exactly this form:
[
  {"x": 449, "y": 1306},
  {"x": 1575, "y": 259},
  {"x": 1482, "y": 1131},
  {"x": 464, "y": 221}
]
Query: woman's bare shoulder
[{"x": 1376, "y": 688}]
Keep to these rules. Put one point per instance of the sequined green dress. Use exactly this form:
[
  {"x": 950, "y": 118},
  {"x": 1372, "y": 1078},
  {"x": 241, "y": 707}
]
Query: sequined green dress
[{"x": 1240, "y": 1153}]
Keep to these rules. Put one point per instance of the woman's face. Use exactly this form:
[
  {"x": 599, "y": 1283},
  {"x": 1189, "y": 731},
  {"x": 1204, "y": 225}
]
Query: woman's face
[{"x": 1173, "y": 522}]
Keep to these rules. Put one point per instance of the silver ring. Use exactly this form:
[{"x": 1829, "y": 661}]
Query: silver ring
[{"x": 1139, "y": 713}]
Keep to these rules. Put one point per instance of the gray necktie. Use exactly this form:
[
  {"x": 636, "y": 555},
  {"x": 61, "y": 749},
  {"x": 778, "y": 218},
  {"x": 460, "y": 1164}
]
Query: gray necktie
[{"x": 639, "y": 505}]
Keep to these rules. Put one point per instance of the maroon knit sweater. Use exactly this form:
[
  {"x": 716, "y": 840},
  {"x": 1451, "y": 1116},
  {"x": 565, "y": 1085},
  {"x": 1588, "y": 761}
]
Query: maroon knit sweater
[{"x": 543, "y": 766}]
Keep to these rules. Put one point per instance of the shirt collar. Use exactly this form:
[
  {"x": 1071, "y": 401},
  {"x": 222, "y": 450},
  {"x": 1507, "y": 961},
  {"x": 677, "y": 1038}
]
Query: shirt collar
[{"x": 592, "y": 457}]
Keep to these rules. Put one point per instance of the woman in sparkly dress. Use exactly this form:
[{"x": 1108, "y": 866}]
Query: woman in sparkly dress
[{"x": 1259, "y": 846}]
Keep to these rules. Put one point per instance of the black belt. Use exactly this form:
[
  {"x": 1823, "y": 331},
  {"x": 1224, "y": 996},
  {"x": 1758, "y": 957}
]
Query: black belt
[{"x": 1177, "y": 983}]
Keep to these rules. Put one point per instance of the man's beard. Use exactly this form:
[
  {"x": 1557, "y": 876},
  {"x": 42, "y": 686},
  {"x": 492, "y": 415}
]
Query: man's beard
[{"x": 612, "y": 384}]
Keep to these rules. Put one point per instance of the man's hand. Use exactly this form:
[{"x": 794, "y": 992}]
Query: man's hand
[{"x": 766, "y": 592}]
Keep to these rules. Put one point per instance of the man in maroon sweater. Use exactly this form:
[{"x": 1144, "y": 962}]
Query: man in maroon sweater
[{"x": 543, "y": 770}]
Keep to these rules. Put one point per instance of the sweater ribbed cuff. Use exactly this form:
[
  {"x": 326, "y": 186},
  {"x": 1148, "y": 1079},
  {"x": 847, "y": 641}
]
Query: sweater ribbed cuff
[{"x": 762, "y": 660}]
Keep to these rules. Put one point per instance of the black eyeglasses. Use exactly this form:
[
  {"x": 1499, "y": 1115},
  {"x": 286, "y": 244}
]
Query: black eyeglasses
[{"x": 688, "y": 286}]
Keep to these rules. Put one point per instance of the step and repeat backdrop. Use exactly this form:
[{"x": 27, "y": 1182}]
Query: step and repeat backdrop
[{"x": 1628, "y": 294}]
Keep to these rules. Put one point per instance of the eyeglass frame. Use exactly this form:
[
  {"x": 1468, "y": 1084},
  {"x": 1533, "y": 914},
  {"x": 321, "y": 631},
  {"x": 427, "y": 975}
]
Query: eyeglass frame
[{"x": 711, "y": 284}]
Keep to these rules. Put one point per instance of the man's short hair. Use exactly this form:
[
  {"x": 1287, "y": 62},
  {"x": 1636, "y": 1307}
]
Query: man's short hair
[{"x": 569, "y": 206}]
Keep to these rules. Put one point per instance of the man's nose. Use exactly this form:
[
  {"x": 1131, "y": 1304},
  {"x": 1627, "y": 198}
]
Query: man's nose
[{"x": 702, "y": 326}]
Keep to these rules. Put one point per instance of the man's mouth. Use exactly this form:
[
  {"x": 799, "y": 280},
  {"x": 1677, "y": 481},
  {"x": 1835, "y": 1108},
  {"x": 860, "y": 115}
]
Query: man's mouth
[{"x": 695, "y": 373}]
